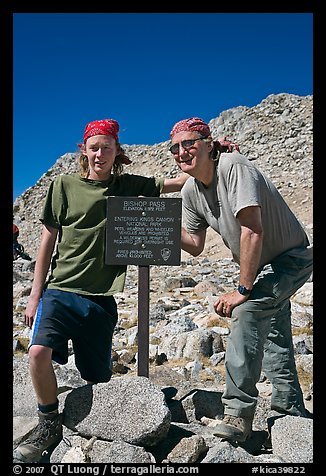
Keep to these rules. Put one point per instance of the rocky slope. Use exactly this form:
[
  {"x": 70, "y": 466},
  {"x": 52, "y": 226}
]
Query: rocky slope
[{"x": 277, "y": 133}]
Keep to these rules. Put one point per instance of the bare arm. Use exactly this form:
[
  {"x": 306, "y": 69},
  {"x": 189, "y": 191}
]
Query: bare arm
[
  {"x": 193, "y": 243},
  {"x": 175, "y": 184},
  {"x": 251, "y": 241},
  {"x": 42, "y": 265}
]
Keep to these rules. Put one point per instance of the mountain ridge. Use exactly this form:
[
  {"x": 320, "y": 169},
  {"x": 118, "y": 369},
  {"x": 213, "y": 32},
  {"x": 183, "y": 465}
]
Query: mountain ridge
[{"x": 277, "y": 133}]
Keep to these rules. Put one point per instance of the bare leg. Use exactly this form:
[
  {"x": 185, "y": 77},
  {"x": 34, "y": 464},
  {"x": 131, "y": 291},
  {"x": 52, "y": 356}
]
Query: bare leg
[
  {"x": 42, "y": 374},
  {"x": 48, "y": 432}
]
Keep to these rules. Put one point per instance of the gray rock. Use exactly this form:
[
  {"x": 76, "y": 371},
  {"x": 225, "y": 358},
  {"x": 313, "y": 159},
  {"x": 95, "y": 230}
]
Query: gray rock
[
  {"x": 131, "y": 409},
  {"x": 292, "y": 439}
]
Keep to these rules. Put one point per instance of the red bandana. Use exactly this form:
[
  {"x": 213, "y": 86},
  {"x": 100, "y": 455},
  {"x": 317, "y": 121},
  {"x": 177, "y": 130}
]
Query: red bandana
[
  {"x": 192, "y": 124},
  {"x": 105, "y": 127}
]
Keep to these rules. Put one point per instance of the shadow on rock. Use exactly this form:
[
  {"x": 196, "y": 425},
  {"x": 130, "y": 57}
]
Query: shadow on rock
[
  {"x": 255, "y": 444},
  {"x": 174, "y": 436},
  {"x": 78, "y": 405}
]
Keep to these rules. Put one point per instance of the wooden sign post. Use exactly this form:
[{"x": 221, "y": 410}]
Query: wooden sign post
[{"x": 143, "y": 231}]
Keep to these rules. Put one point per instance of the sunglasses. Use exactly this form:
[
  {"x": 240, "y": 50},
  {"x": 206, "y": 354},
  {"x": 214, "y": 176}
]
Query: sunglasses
[{"x": 186, "y": 144}]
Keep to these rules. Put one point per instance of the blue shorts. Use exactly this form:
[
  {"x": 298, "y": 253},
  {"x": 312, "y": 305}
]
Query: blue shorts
[{"x": 89, "y": 322}]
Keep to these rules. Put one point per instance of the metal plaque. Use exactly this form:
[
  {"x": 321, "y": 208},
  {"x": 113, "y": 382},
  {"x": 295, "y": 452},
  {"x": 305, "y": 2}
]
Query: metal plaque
[{"x": 143, "y": 231}]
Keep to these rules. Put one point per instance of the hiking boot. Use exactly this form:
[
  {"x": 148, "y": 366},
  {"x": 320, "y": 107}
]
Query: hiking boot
[
  {"x": 47, "y": 434},
  {"x": 234, "y": 428}
]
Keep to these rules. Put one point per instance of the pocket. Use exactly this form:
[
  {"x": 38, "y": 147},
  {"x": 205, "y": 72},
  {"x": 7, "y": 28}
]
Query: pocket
[{"x": 291, "y": 272}]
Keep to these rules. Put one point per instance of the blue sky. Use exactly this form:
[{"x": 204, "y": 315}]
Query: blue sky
[{"x": 147, "y": 71}]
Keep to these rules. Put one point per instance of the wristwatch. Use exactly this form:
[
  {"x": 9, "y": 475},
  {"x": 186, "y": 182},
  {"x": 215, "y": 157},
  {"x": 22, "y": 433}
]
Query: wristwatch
[{"x": 243, "y": 290}]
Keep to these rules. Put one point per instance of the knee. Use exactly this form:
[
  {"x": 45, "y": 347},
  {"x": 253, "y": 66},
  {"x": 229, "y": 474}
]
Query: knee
[
  {"x": 241, "y": 315},
  {"x": 251, "y": 313},
  {"x": 39, "y": 355}
]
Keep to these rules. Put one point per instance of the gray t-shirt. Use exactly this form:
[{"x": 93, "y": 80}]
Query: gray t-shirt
[{"x": 239, "y": 184}]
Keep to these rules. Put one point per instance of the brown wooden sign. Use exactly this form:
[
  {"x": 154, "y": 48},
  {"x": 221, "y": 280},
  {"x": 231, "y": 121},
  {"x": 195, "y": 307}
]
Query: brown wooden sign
[{"x": 143, "y": 231}]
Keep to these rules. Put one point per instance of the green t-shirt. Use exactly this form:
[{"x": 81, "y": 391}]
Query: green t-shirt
[{"x": 76, "y": 206}]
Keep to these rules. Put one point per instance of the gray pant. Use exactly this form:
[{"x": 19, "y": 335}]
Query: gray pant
[{"x": 261, "y": 337}]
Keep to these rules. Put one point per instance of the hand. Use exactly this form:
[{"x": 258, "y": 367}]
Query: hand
[
  {"x": 30, "y": 311},
  {"x": 226, "y": 302},
  {"x": 227, "y": 146}
]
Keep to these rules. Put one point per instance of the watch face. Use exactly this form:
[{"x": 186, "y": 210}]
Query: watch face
[{"x": 244, "y": 291}]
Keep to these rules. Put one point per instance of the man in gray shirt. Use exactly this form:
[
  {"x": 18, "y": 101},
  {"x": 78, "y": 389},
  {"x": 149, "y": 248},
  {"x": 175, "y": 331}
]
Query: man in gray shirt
[{"x": 229, "y": 194}]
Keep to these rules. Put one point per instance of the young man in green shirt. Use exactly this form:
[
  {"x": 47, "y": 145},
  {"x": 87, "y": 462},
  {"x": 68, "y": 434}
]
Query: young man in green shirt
[{"x": 77, "y": 301}]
